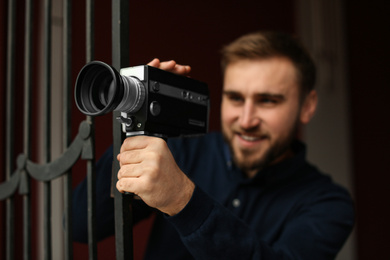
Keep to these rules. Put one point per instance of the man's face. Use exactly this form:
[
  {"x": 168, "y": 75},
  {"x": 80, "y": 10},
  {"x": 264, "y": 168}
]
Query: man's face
[{"x": 260, "y": 111}]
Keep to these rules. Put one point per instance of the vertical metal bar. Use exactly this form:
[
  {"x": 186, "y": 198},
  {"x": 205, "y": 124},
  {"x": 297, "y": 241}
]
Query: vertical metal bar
[
  {"x": 27, "y": 124},
  {"x": 47, "y": 122},
  {"x": 67, "y": 90},
  {"x": 120, "y": 33},
  {"x": 91, "y": 175},
  {"x": 10, "y": 125},
  {"x": 90, "y": 29},
  {"x": 120, "y": 59},
  {"x": 91, "y": 190}
]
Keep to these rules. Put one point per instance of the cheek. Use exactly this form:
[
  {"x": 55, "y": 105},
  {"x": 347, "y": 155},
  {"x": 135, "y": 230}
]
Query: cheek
[
  {"x": 280, "y": 122},
  {"x": 227, "y": 114}
]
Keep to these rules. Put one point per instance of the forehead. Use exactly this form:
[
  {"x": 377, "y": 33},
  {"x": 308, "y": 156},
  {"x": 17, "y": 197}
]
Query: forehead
[{"x": 275, "y": 75}]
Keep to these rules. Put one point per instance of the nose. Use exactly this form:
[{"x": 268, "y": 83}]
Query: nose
[{"x": 248, "y": 118}]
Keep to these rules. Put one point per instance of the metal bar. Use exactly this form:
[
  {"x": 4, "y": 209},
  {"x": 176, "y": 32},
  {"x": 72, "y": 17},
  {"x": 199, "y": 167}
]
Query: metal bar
[
  {"x": 120, "y": 59},
  {"x": 27, "y": 226},
  {"x": 67, "y": 109},
  {"x": 27, "y": 124},
  {"x": 120, "y": 33},
  {"x": 91, "y": 190},
  {"x": 91, "y": 174},
  {"x": 90, "y": 29},
  {"x": 47, "y": 123},
  {"x": 10, "y": 126}
]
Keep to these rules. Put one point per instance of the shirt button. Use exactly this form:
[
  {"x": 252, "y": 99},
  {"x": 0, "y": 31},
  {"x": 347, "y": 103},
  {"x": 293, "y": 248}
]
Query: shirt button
[
  {"x": 236, "y": 203},
  {"x": 229, "y": 164}
]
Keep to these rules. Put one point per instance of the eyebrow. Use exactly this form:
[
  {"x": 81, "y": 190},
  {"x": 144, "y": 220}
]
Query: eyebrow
[
  {"x": 258, "y": 95},
  {"x": 271, "y": 95}
]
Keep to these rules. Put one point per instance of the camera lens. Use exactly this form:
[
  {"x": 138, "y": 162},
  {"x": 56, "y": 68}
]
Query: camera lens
[
  {"x": 100, "y": 89},
  {"x": 133, "y": 96}
]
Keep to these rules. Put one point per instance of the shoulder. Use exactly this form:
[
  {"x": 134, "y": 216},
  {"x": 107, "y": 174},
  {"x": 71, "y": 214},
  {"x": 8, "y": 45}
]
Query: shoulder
[
  {"x": 319, "y": 191},
  {"x": 307, "y": 177},
  {"x": 304, "y": 185}
]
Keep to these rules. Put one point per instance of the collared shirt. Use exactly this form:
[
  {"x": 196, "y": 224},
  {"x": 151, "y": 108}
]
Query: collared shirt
[{"x": 287, "y": 211}]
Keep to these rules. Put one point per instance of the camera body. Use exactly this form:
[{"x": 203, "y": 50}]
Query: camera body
[
  {"x": 151, "y": 101},
  {"x": 174, "y": 105}
]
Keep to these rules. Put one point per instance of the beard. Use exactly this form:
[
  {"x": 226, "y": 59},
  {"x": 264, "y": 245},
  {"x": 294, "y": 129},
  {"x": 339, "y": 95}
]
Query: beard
[{"x": 252, "y": 160}]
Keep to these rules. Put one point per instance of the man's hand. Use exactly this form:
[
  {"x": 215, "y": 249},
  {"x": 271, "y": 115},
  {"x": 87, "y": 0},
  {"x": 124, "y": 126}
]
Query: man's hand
[
  {"x": 149, "y": 170},
  {"x": 171, "y": 66}
]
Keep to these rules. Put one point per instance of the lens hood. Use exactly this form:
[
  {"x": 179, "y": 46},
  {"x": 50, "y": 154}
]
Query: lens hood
[{"x": 99, "y": 89}]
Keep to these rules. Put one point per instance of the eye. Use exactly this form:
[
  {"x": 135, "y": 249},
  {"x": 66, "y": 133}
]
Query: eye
[
  {"x": 234, "y": 98},
  {"x": 269, "y": 100}
]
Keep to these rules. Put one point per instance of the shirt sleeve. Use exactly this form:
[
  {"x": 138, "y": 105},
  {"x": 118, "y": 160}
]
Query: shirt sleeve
[{"x": 210, "y": 231}]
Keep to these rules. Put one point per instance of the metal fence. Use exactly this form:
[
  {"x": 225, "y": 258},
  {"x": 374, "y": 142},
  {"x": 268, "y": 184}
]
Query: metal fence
[{"x": 18, "y": 179}]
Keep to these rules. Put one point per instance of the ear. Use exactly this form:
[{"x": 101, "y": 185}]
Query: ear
[{"x": 309, "y": 107}]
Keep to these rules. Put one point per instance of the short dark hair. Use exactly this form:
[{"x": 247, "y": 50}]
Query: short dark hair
[{"x": 263, "y": 45}]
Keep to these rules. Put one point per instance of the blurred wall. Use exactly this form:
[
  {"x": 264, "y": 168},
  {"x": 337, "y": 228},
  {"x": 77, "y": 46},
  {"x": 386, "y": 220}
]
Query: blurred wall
[
  {"x": 321, "y": 26},
  {"x": 368, "y": 73}
]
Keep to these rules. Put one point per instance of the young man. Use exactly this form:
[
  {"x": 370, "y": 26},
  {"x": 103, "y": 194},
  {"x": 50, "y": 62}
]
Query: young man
[{"x": 247, "y": 193}]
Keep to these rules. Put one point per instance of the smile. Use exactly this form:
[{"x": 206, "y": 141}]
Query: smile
[
  {"x": 245, "y": 142},
  {"x": 250, "y": 138}
]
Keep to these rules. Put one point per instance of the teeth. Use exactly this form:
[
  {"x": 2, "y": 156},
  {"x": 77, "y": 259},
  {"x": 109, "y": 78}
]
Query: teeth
[{"x": 249, "y": 138}]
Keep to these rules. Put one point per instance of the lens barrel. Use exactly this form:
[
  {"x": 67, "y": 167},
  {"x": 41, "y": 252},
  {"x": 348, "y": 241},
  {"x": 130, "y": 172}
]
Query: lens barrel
[{"x": 100, "y": 89}]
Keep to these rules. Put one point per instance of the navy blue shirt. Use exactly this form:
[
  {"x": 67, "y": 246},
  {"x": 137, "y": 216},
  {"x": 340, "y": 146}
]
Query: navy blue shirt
[{"x": 287, "y": 211}]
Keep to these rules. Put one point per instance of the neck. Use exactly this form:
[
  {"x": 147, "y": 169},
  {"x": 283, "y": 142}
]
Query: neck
[{"x": 250, "y": 173}]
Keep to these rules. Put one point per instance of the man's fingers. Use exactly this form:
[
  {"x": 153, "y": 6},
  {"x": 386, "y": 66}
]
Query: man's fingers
[
  {"x": 182, "y": 69},
  {"x": 155, "y": 63},
  {"x": 129, "y": 171},
  {"x": 130, "y": 157},
  {"x": 127, "y": 185},
  {"x": 168, "y": 65},
  {"x": 134, "y": 143},
  {"x": 165, "y": 65},
  {"x": 171, "y": 66}
]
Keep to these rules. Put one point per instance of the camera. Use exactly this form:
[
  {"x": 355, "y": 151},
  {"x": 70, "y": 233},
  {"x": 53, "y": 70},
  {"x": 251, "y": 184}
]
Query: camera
[{"x": 150, "y": 101}]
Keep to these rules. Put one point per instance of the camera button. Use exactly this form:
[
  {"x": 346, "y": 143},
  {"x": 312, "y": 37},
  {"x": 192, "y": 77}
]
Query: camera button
[
  {"x": 155, "y": 108},
  {"x": 156, "y": 86},
  {"x": 186, "y": 94}
]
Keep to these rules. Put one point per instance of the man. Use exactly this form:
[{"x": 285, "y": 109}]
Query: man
[{"x": 248, "y": 193}]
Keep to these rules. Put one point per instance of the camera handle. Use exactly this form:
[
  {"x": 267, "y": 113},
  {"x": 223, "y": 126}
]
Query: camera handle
[{"x": 127, "y": 126}]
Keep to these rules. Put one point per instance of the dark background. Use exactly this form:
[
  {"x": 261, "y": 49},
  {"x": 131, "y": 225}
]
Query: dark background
[{"x": 192, "y": 32}]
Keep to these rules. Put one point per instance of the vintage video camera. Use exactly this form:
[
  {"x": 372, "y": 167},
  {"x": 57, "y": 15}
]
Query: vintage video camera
[{"x": 151, "y": 101}]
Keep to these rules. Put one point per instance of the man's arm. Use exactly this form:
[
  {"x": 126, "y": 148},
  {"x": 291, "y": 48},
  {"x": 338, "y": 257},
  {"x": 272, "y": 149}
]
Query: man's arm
[{"x": 316, "y": 231}]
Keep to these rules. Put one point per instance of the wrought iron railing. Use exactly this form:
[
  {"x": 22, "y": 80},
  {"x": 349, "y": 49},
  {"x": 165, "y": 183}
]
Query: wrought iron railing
[{"x": 19, "y": 179}]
